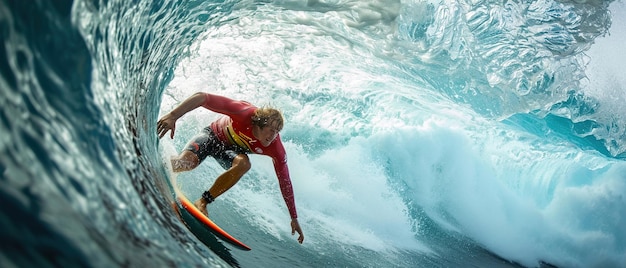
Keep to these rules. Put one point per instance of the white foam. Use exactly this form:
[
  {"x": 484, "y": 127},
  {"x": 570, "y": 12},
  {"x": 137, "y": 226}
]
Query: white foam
[
  {"x": 515, "y": 194},
  {"x": 563, "y": 207},
  {"x": 342, "y": 195}
]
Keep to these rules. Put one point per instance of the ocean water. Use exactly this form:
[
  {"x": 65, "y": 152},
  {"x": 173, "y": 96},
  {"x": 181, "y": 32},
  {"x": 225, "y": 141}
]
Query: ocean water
[{"x": 419, "y": 133}]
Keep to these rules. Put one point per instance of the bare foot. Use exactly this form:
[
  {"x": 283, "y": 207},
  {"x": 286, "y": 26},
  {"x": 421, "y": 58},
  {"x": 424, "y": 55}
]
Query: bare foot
[{"x": 201, "y": 205}]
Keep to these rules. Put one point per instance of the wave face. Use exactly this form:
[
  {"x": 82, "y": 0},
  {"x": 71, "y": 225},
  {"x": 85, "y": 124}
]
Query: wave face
[{"x": 419, "y": 133}]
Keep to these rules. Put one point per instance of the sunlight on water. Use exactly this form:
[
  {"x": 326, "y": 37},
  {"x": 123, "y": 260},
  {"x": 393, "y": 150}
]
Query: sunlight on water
[{"x": 419, "y": 133}]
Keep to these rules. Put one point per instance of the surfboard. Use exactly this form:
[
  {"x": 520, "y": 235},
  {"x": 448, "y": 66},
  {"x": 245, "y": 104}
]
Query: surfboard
[{"x": 209, "y": 224}]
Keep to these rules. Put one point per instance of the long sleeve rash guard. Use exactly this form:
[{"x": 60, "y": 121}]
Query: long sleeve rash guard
[{"x": 236, "y": 128}]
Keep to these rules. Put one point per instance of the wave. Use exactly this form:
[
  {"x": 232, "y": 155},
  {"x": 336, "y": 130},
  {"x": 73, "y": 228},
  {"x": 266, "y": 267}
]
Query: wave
[{"x": 419, "y": 133}]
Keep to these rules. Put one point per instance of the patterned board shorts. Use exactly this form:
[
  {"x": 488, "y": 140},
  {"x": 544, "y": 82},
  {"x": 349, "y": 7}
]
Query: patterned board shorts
[{"x": 206, "y": 143}]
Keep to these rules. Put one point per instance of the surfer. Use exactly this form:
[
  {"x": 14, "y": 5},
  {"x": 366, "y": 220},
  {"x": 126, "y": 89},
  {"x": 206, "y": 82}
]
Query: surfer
[{"x": 243, "y": 129}]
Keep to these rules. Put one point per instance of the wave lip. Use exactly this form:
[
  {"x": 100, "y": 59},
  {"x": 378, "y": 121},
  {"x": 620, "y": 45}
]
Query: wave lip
[{"x": 467, "y": 121}]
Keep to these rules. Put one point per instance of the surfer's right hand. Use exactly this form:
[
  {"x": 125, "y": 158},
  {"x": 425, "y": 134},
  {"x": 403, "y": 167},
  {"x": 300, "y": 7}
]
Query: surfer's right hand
[{"x": 165, "y": 124}]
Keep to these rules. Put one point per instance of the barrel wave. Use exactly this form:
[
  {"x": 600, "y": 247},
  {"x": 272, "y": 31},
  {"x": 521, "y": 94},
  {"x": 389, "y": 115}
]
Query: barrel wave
[{"x": 419, "y": 133}]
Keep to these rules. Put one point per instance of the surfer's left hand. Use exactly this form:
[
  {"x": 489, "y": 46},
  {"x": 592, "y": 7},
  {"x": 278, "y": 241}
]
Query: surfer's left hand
[{"x": 295, "y": 227}]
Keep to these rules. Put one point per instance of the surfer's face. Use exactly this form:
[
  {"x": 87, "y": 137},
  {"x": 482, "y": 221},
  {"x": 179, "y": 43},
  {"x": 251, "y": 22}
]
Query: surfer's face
[{"x": 265, "y": 134}]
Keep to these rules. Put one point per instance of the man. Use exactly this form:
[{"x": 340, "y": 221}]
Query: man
[{"x": 244, "y": 129}]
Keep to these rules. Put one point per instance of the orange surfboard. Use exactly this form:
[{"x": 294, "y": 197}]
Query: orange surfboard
[{"x": 216, "y": 230}]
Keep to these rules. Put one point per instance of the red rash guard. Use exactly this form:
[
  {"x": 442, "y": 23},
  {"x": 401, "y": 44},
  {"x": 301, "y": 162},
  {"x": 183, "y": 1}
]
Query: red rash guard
[{"x": 236, "y": 128}]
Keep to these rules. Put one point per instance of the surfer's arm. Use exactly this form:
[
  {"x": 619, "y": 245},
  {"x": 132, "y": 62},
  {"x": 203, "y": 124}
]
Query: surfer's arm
[
  {"x": 224, "y": 105},
  {"x": 168, "y": 121},
  {"x": 279, "y": 159},
  {"x": 282, "y": 172},
  {"x": 212, "y": 102}
]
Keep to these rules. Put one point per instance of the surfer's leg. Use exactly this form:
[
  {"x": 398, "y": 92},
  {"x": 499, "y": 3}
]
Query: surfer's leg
[
  {"x": 196, "y": 150},
  {"x": 241, "y": 165},
  {"x": 187, "y": 160}
]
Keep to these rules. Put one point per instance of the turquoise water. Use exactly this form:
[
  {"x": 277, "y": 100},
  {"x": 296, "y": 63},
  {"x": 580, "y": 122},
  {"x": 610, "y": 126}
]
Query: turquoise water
[{"x": 419, "y": 133}]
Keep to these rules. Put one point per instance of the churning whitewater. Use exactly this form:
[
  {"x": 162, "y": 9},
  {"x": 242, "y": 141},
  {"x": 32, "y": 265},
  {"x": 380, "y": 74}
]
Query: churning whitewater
[{"x": 419, "y": 133}]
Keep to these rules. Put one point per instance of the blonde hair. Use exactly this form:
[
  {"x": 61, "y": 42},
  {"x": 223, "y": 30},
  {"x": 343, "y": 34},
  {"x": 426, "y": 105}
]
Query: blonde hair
[{"x": 268, "y": 116}]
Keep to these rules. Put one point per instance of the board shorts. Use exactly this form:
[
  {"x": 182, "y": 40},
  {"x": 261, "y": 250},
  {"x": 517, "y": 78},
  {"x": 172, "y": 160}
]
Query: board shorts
[{"x": 206, "y": 143}]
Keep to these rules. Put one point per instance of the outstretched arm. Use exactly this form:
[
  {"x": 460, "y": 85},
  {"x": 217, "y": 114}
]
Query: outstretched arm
[
  {"x": 168, "y": 121},
  {"x": 282, "y": 172},
  {"x": 287, "y": 191}
]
